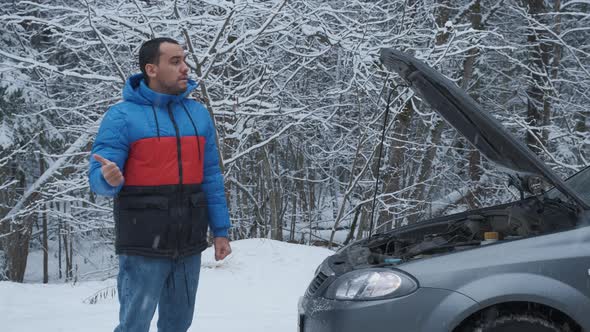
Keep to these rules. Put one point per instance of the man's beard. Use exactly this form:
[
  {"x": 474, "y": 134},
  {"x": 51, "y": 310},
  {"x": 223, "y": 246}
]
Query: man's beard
[{"x": 175, "y": 89}]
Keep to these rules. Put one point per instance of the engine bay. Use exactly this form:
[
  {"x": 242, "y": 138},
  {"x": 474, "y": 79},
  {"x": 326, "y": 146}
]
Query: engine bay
[{"x": 468, "y": 230}]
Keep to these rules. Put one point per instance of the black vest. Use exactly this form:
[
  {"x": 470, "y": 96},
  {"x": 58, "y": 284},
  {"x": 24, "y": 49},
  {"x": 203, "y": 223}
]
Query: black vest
[{"x": 164, "y": 221}]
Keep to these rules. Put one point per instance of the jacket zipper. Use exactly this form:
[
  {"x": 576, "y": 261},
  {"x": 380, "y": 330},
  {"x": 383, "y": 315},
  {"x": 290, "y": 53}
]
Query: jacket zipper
[
  {"x": 178, "y": 150},
  {"x": 178, "y": 144}
]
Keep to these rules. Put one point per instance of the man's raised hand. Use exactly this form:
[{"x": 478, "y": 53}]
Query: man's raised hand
[{"x": 110, "y": 171}]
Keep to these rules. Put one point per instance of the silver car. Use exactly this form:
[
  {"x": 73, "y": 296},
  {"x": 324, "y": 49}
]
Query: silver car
[{"x": 522, "y": 266}]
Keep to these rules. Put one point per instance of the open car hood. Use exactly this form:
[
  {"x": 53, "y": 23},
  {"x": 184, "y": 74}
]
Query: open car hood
[{"x": 481, "y": 129}]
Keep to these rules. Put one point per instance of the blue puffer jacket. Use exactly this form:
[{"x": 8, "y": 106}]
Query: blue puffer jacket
[{"x": 166, "y": 147}]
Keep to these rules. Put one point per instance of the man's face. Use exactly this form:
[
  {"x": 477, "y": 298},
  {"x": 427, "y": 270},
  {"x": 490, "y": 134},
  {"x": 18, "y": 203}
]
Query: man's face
[{"x": 170, "y": 74}]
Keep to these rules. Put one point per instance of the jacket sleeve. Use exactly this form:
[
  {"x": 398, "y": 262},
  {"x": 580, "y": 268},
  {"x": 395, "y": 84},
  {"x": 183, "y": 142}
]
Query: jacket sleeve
[
  {"x": 111, "y": 143},
  {"x": 213, "y": 184}
]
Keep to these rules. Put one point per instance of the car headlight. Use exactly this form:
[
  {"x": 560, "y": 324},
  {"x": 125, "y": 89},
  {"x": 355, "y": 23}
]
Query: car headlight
[{"x": 371, "y": 284}]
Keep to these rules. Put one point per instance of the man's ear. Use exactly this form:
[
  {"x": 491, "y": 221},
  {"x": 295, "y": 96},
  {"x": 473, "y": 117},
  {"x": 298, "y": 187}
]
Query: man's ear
[{"x": 151, "y": 70}]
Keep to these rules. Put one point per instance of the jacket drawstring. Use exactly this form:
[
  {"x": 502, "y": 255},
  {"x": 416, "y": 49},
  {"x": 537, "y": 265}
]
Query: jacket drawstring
[
  {"x": 194, "y": 127},
  {"x": 157, "y": 124},
  {"x": 188, "y": 299},
  {"x": 180, "y": 192}
]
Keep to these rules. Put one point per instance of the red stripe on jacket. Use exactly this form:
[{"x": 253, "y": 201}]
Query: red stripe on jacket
[{"x": 154, "y": 161}]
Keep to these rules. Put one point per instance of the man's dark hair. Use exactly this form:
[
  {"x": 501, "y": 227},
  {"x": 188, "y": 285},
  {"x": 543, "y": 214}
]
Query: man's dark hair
[{"x": 150, "y": 52}]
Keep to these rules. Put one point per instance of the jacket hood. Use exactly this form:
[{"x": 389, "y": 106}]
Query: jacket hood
[
  {"x": 480, "y": 128},
  {"x": 137, "y": 91}
]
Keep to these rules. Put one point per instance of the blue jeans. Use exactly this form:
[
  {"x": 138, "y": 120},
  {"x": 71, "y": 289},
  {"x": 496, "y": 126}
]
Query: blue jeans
[{"x": 145, "y": 282}]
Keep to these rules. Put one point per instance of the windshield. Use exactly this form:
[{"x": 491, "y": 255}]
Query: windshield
[{"x": 579, "y": 182}]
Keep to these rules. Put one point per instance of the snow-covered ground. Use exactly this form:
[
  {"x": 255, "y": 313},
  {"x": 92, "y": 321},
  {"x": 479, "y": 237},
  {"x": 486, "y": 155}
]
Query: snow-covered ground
[{"x": 255, "y": 289}]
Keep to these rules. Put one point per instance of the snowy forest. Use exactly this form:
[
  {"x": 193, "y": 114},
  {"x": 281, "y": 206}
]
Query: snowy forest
[{"x": 299, "y": 100}]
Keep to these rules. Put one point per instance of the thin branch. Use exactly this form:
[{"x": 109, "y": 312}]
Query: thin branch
[{"x": 99, "y": 35}]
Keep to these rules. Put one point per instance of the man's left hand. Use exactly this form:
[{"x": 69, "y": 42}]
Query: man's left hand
[{"x": 222, "y": 248}]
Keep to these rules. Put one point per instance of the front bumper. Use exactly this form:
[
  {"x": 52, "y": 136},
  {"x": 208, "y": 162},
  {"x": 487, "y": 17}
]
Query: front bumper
[{"x": 427, "y": 309}]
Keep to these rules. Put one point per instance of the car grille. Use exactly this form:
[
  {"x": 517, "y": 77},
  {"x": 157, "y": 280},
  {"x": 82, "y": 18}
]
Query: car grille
[{"x": 316, "y": 283}]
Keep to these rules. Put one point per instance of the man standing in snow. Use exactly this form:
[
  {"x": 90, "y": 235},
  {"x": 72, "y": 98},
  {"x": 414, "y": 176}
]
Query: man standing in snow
[{"x": 156, "y": 154}]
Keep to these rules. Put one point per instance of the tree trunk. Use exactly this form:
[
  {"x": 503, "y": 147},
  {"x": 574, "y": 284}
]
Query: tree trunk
[
  {"x": 364, "y": 224},
  {"x": 311, "y": 201},
  {"x": 427, "y": 160},
  {"x": 425, "y": 169},
  {"x": 59, "y": 229},
  {"x": 392, "y": 181},
  {"x": 45, "y": 250},
  {"x": 17, "y": 250},
  {"x": 355, "y": 219},
  {"x": 537, "y": 106},
  {"x": 16, "y": 245},
  {"x": 274, "y": 199},
  {"x": 293, "y": 218},
  {"x": 468, "y": 69},
  {"x": 554, "y": 71},
  {"x": 301, "y": 185},
  {"x": 44, "y": 231},
  {"x": 71, "y": 268},
  {"x": 67, "y": 252}
]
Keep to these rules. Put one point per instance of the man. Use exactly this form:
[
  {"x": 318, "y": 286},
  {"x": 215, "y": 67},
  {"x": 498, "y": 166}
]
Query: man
[{"x": 156, "y": 153}]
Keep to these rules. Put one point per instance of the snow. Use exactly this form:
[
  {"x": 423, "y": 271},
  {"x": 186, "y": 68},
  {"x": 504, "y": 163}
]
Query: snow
[
  {"x": 91, "y": 261},
  {"x": 309, "y": 30},
  {"x": 6, "y": 136},
  {"x": 80, "y": 143},
  {"x": 256, "y": 288}
]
